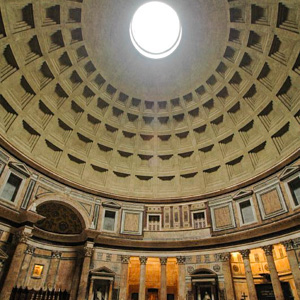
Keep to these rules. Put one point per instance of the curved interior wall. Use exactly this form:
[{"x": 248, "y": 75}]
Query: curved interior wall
[{"x": 210, "y": 235}]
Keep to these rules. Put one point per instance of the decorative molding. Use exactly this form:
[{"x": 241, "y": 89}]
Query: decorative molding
[
  {"x": 268, "y": 250},
  {"x": 163, "y": 260},
  {"x": 216, "y": 268},
  {"x": 222, "y": 257},
  {"x": 125, "y": 259},
  {"x": 289, "y": 171},
  {"x": 242, "y": 194},
  {"x": 143, "y": 260},
  {"x": 21, "y": 168},
  {"x": 22, "y": 237},
  {"x": 88, "y": 251},
  {"x": 288, "y": 245},
  {"x": 266, "y": 189},
  {"x": 180, "y": 260},
  {"x": 30, "y": 250},
  {"x": 56, "y": 254},
  {"x": 245, "y": 253},
  {"x": 28, "y": 193},
  {"x": 111, "y": 205}
]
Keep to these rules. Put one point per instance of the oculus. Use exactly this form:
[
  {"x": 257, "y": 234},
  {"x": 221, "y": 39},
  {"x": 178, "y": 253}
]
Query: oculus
[{"x": 155, "y": 30}]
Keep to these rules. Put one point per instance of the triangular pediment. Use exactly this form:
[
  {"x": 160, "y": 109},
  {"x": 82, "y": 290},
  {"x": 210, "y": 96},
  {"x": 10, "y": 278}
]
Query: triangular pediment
[
  {"x": 289, "y": 171},
  {"x": 21, "y": 168},
  {"x": 111, "y": 205},
  {"x": 242, "y": 194},
  {"x": 3, "y": 255}
]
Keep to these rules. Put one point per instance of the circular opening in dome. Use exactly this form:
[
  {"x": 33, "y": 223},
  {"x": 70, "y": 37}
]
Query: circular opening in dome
[{"x": 155, "y": 30}]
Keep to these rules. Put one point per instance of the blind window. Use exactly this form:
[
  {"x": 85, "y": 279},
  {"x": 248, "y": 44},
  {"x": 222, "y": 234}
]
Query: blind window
[
  {"x": 294, "y": 186},
  {"x": 109, "y": 220},
  {"x": 246, "y": 212},
  {"x": 11, "y": 188}
]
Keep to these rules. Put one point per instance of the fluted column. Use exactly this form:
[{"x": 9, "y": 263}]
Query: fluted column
[
  {"x": 273, "y": 272},
  {"x": 226, "y": 267},
  {"x": 163, "y": 278},
  {"x": 55, "y": 259},
  {"x": 142, "y": 288},
  {"x": 249, "y": 275},
  {"x": 294, "y": 265},
  {"x": 25, "y": 265},
  {"x": 88, "y": 252},
  {"x": 181, "y": 277},
  {"x": 21, "y": 239},
  {"x": 124, "y": 277}
]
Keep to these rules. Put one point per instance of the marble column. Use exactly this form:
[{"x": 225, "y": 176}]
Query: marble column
[
  {"x": 124, "y": 277},
  {"x": 142, "y": 287},
  {"x": 226, "y": 267},
  {"x": 21, "y": 239},
  {"x": 181, "y": 277},
  {"x": 249, "y": 276},
  {"x": 163, "y": 278},
  {"x": 294, "y": 265},
  {"x": 25, "y": 265},
  {"x": 273, "y": 272},
  {"x": 110, "y": 290},
  {"x": 54, "y": 264},
  {"x": 91, "y": 290},
  {"x": 88, "y": 252},
  {"x": 76, "y": 276}
]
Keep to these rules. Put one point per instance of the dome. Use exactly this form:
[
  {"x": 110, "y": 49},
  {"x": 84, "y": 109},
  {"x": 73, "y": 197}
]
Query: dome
[
  {"x": 131, "y": 171},
  {"x": 83, "y": 106}
]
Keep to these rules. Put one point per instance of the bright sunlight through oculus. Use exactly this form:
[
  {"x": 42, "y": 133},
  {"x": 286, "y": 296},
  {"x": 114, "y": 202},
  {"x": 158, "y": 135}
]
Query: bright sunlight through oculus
[{"x": 155, "y": 30}]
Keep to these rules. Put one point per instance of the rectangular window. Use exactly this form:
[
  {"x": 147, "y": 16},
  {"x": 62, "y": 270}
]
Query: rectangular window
[
  {"x": 199, "y": 220},
  {"x": 11, "y": 187},
  {"x": 294, "y": 186},
  {"x": 246, "y": 212},
  {"x": 154, "y": 223},
  {"x": 109, "y": 220}
]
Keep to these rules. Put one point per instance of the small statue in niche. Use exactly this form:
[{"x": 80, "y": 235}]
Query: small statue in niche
[{"x": 206, "y": 296}]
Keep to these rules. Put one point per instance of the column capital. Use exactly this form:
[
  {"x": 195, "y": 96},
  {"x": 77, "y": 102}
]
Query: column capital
[
  {"x": 125, "y": 259},
  {"x": 245, "y": 253},
  {"x": 180, "y": 260},
  {"x": 222, "y": 257},
  {"x": 88, "y": 251},
  {"x": 143, "y": 260},
  {"x": 21, "y": 237},
  {"x": 268, "y": 250},
  {"x": 30, "y": 250},
  {"x": 288, "y": 245},
  {"x": 56, "y": 254},
  {"x": 163, "y": 260}
]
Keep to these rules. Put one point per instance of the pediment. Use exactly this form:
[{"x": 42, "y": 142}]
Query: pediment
[
  {"x": 103, "y": 271},
  {"x": 111, "y": 205},
  {"x": 3, "y": 255},
  {"x": 289, "y": 171},
  {"x": 242, "y": 194},
  {"x": 21, "y": 168}
]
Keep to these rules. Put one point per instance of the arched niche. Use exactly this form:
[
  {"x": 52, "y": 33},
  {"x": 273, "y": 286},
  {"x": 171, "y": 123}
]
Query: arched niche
[{"x": 59, "y": 218}]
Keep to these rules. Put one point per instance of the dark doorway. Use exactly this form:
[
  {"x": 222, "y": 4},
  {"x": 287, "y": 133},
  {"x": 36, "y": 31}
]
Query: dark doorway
[
  {"x": 170, "y": 296},
  {"x": 265, "y": 291}
]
